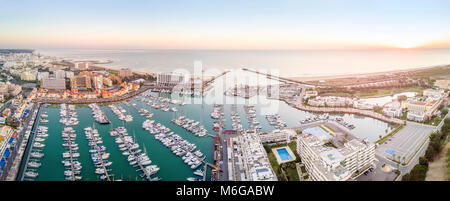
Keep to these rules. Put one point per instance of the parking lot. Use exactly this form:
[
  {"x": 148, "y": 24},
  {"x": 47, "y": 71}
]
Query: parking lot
[{"x": 405, "y": 143}]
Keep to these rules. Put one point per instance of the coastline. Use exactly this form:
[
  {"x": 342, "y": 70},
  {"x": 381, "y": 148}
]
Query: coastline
[{"x": 355, "y": 75}]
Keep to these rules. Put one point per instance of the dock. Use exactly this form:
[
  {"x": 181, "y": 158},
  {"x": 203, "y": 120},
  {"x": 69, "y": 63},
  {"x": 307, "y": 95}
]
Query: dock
[
  {"x": 108, "y": 177},
  {"x": 141, "y": 167}
]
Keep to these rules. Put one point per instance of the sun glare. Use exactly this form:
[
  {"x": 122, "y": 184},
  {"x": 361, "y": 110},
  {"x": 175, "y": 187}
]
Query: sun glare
[{"x": 406, "y": 44}]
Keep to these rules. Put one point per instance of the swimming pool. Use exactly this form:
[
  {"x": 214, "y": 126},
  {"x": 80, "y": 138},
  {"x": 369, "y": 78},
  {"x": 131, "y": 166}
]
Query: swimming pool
[{"x": 284, "y": 154}]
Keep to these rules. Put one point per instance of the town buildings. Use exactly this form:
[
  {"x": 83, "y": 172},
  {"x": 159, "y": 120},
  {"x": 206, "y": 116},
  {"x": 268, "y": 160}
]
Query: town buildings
[
  {"x": 76, "y": 94},
  {"x": 6, "y": 133},
  {"x": 9, "y": 88}
]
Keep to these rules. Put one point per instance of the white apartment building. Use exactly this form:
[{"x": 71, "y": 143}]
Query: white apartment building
[
  {"x": 416, "y": 116},
  {"x": 70, "y": 74},
  {"x": 331, "y": 101},
  {"x": 97, "y": 82},
  {"x": 393, "y": 112},
  {"x": 325, "y": 163},
  {"x": 60, "y": 74},
  {"x": 276, "y": 136}
]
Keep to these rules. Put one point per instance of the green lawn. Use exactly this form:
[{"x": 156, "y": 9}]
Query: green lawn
[
  {"x": 434, "y": 121},
  {"x": 435, "y": 72},
  {"x": 380, "y": 92},
  {"x": 290, "y": 168}
]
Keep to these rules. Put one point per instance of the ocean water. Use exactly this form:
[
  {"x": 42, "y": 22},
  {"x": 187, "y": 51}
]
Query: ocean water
[{"x": 289, "y": 63}]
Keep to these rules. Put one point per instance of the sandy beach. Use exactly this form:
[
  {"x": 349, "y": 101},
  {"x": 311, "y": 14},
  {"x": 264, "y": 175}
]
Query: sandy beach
[{"x": 358, "y": 75}]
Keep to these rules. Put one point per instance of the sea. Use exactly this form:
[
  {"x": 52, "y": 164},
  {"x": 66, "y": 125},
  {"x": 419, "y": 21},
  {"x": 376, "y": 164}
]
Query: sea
[{"x": 288, "y": 63}]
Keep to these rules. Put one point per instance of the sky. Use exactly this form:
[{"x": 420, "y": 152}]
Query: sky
[{"x": 227, "y": 24}]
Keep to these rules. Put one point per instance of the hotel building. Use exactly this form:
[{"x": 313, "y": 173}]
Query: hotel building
[
  {"x": 27, "y": 76},
  {"x": 125, "y": 72},
  {"x": 82, "y": 66},
  {"x": 169, "y": 79},
  {"x": 421, "y": 109},
  {"x": 60, "y": 74},
  {"x": 80, "y": 83},
  {"x": 53, "y": 84}
]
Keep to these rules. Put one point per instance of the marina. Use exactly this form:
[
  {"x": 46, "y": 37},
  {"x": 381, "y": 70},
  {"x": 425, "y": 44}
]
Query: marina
[
  {"x": 235, "y": 114},
  {"x": 177, "y": 145},
  {"x": 134, "y": 155}
]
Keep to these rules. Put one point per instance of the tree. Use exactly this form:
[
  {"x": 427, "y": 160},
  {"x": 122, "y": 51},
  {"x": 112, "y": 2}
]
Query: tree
[
  {"x": 406, "y": 177},
  {"x": 429, "y": 154},
  {"x": 423, "y": 161}
]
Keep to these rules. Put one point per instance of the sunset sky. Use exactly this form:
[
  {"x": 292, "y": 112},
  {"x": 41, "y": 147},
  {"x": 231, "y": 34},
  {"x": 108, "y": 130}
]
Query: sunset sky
[{"x": 230, "y": 24}]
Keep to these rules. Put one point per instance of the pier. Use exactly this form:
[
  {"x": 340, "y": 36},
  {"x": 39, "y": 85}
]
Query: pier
[
  {"x": 205, "y": 169},
  {"x": 71, "y": 158},
  {"x": 99, "y": 151},
  {"x": 206, "y": 83},
  {"x": 103, "y": 164},
  {"x": 285, "y": 80},
  {"x": 141, "y": 167}
]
